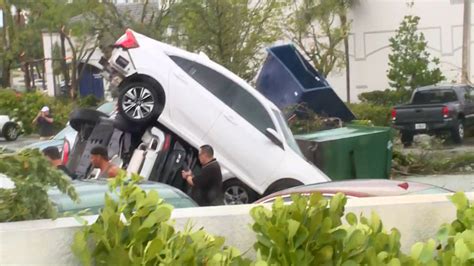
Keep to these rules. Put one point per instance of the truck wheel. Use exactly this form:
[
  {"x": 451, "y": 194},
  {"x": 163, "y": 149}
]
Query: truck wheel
[
  {"x": 457, "y": 133},
  {"x": 407, "y": 138},
  {"x": 11, "y": 131},
  {"x": 141, "y": 103},
  {"x": 236, "y": 192}
]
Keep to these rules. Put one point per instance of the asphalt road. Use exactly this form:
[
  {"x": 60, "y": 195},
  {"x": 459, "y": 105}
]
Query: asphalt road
[{"x": 19, "y": 143}]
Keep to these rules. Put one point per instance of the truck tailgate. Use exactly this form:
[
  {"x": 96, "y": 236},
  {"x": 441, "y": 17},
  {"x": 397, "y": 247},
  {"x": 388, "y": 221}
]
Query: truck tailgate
[{"x": 419, "y": 113}]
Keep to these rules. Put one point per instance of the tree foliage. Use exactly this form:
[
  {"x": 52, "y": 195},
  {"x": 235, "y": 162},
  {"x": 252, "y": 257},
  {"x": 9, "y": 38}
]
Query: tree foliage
[
  {"x": 411, "y": 65},
  {"x": 231, "y": 32},
  {"x": 32, "y": 176},
  {"x": 318, "y": 28}
]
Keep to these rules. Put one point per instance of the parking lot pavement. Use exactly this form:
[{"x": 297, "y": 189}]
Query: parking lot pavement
[
  {"x": 466, "y": 146},
  {"x": 19, "y": 143},
  {"x": 464, "y": 182}
]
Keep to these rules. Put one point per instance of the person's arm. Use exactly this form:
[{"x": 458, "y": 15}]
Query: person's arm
[
  {"x": 113, "y": 171},
  {"x": 36, "y": 118},
  {"x": 48, "y": 119},
  {"x": 189, "y": 179}
]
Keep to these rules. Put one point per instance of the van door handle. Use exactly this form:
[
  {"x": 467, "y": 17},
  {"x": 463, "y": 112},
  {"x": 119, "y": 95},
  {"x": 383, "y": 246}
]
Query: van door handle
[
  {"x": 180, "y": 77},
  {"x": 231, "y": 119}
]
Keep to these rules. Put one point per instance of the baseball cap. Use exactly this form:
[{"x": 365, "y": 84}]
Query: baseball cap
[{"x": 45, "y": 109}]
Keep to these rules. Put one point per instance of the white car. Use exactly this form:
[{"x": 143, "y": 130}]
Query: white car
[
  {"x": 204, "y": 103},
  {"x": 9, "y": 129}
]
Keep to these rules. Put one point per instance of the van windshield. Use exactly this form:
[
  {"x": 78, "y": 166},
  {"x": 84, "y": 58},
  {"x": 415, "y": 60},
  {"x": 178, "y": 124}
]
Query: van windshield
[
  {"x": 290, "y": 139},
  {"x": 434, "y": 96}
]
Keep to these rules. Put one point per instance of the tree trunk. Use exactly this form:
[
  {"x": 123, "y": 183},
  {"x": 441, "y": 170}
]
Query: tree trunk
[
  {"x": 6, "y": 73},
  {"x": 25, "y": 67},
  {"x": 64, "y": 66},
  {"x": 73, "y": 91},
  {"x": 466, "y": 39},
  {"x": 348, "y": 69}
]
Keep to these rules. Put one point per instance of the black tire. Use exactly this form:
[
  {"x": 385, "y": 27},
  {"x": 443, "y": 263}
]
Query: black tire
[
  {"x": 457, "y": 132},
  {"x": 11, "y": 131},
  {"x": 282, "y": 184},
  {"x": 140, "y": 102},
  {"x": 80, "y": 117},
  {"x": 236, "y": 192},
  {"x": 407, "y": 138},
  {"x": 127, "y": 126}
]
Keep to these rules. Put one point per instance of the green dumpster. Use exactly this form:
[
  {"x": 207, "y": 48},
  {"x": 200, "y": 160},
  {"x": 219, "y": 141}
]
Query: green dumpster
[{"x": 350, "y": 152}]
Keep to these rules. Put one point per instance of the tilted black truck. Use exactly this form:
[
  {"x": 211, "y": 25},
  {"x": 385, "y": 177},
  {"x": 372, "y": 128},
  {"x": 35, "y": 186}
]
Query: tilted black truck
[{"x": 435, "y": 109}]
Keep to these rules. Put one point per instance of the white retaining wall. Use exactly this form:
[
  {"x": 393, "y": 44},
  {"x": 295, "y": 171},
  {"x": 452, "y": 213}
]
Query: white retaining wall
[{"x": 47, "y": 242}]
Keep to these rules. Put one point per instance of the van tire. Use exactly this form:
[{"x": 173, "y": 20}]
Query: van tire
[
  {"x": 281, "y": 185},
  {"x": 83, "y": 116},
  {"x": 140, "y": 102},
  {"x": 236, "y": 192}
]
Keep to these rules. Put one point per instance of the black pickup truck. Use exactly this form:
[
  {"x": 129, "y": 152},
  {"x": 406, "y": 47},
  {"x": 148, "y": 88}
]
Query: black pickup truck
[{"x": 435, "y": 109}]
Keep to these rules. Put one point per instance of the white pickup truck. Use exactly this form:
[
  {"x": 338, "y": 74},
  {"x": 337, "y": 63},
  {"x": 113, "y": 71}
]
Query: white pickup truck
[{"x": 9, "y": 129}]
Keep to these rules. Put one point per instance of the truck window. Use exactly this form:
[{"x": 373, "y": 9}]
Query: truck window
[{"x": 434, "y": 96}]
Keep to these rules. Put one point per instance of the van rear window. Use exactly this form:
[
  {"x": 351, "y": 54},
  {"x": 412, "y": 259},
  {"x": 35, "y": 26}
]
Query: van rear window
[{"x": 434, "y": 96}]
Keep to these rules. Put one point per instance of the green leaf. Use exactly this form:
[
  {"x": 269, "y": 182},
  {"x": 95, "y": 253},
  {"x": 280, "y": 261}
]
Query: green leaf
[
  {"x": 292, "y": 228},
  {"x": 351, "y": 218},
  {"x": 153, "y": 248},
  {"x": 460, "y": 201},
  {"x": 161, "y": 214},
  {"x": 462, "y": 251}
]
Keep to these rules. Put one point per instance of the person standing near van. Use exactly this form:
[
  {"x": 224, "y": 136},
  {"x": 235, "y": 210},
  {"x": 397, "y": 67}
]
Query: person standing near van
[
  {"x": 207, "y": 186},
  {"x": 44, "y": 120}
]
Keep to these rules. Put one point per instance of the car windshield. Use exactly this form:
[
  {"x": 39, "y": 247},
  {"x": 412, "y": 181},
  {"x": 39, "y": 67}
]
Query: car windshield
[
  {"x": 107, "y": 108},
  {"x": 434, "y": 96},
  {"x": 290, "y": 139},
  {"x": 61, "y": 134}
]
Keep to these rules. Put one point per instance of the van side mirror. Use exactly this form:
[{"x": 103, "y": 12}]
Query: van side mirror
[{"x": 274, "y": 137}]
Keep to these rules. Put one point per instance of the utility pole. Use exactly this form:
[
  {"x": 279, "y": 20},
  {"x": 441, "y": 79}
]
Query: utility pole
[{"x": 466, "y": 42}]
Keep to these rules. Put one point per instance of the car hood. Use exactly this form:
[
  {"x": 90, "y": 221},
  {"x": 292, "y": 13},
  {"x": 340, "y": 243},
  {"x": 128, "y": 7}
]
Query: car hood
[{"x": 41, "y": 145}]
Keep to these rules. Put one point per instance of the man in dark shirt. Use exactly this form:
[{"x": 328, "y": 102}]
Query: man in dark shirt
[
  {"x": 54, "y": 157},
  {"x": 207, "y": 186},
  {"x": 45, "y": 123}
]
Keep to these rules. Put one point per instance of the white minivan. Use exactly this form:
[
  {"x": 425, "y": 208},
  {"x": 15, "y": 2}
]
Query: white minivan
[{"x": 204, "y": 103}]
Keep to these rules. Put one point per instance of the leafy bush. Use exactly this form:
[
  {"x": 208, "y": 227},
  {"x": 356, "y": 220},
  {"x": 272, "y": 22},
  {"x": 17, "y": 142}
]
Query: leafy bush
[
  {"x": 24, "y": 107},
  {"x": 135, "y": 230},
  {"x": 454, "y": 244},
  {"x": 387, "y": 98},
  {"x": 377, "y": 114},
  {"x": 32, "y": 176},
  {"x": 309, "y": 231}
]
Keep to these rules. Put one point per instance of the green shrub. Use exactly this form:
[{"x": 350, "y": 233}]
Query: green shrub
[
  {"x": 454, "y": 244},
  {"x": 136, "y": 230},
  {"x": 387, "y": 97},
  {"x": 24, "y": 107},
  {"x": 377, "y": 114},
  {"x": 33, "y": 176},
  {"x": 309, "y": 231}
]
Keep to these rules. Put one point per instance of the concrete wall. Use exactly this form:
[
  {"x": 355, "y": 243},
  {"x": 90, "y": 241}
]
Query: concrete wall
[
  {"x": 47, "y": 242},
  {"x": 375, "y": 21}
]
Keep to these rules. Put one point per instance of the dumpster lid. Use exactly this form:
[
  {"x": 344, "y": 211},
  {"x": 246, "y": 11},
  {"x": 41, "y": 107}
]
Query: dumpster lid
[{"x": 341, "y": 133}]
